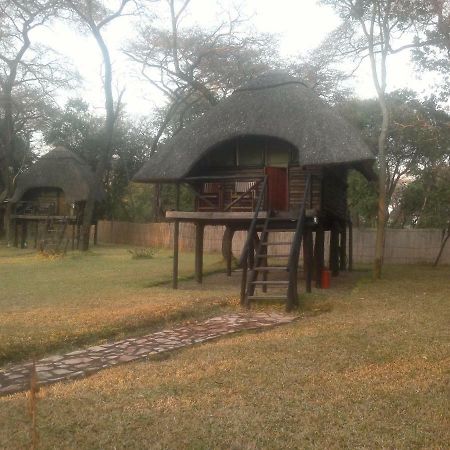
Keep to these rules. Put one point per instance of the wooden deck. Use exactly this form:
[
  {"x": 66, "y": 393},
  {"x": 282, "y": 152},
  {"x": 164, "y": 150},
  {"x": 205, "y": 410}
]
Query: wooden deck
[
  {"x": 220, "y": 217},
  {"x": 43, "y": 217}
]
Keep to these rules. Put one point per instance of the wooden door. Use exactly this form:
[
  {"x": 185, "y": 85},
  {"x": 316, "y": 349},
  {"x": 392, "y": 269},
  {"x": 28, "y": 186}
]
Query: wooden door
[{"x": 277, "y": 188}]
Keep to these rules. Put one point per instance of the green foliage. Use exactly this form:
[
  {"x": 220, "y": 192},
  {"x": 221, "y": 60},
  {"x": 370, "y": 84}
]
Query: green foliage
[
  {"x": 362, "y": 200},
  {"x": 417, "y": 149},
  {"x": 425, "y": 202},
  {"x": 168, "y": 198},
  {"x": 81, "y": 131}
]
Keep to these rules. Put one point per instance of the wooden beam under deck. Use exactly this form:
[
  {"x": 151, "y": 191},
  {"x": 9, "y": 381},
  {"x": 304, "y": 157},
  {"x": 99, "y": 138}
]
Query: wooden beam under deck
[
  {"x": 212, "y": 215},
  {"x": 44, "y": 218}
]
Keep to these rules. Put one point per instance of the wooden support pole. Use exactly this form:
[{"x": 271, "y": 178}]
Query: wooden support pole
[
  {"x": 95, "y": 232},
  {"x": 36, "y": 233},
  {"x": 199, "y": 232},
  {"x": 343, "y": 248},
  {"x": 251, "y": 253},
  {"x": 319, "y": 256},
  {"x": 23, "y": 234},
  {"x": 308, "y": 258},
  {"x": 350, "y": 246},
  {"x": 176, "y": 240},
  {"x": 227, "y": 248},
  {"x": 78, "y": 236},
  {"x": 265, "y": 274},
  {"x": 16, "y": 233},
  {"x": 334, "y": 250},
  {"x": 73, "y": 236},
  {"x": 252, "y": 275},
  {"x": 244, "y": 282},
  {"x": 176, "y": 234}
]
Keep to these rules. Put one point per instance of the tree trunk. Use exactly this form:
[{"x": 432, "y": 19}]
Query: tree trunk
[
  {"x": 8, "y": 152},
  {"x": 108, "y": 136},
  {"x": 443, "y": 244},
  {"x": 382, "y": 207},
  {"x": 88, "y": 215}
]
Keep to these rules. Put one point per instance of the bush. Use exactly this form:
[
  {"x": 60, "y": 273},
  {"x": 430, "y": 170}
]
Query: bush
[{"x": 143, "y": 253}]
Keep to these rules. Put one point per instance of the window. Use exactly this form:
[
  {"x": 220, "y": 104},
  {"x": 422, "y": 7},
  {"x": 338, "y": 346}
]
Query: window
[
  {"x": 251, "y": 152},
  {"x": 277, "y": 158}
]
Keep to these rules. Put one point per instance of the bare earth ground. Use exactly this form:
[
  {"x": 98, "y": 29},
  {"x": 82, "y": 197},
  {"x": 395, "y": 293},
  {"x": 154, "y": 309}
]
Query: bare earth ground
[{"x": 366, "y": 366}]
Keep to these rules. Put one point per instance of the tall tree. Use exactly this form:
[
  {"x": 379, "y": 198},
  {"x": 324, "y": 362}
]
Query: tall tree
[
  {"x": 417, "y": 141},
  {"x": 77, "y": 128},
  {"x": 433, "y": 53},
  {"x": 195, "y": 67},
  {"x": 95, "y": 16},
  {"x": 28, "y": 76},
  {"x": 367, "y": 32}
]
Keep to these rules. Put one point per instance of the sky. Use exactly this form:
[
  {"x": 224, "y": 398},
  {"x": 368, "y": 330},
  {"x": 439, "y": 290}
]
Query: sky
[{"x": 300, "y": 25}]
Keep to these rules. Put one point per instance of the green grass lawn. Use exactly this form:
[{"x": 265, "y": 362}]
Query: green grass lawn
[
  {"x": 370, "y": 372},
  {"x": 50, "y": 305}
]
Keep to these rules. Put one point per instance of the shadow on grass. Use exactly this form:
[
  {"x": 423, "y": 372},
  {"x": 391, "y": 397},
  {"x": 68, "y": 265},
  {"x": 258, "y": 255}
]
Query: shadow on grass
[{"x": 122, "y": 330}]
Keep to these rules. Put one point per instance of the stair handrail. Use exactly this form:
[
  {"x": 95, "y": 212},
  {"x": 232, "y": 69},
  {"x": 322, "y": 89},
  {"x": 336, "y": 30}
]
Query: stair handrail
[
  {"x": 295, "y": 249},
  {"x": 292, "y": 298},
  {"x": 251, "y": 230}
]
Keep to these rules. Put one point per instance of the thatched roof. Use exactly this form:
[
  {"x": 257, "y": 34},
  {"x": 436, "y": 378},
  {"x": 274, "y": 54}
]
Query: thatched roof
[
  {"x": 62, "y": 169},
  {"x": 275, "y": 105}
]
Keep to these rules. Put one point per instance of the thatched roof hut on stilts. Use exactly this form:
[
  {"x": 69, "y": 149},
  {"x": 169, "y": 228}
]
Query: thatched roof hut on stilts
[
  {"x": 50, "y": 196},
  {"x": 272, "y": 156}
]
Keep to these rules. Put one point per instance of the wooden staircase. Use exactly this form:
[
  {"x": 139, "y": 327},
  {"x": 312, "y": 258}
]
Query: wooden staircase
[
  {"x": 263, "y": 267},
  {"x": 54, "y": 241}
]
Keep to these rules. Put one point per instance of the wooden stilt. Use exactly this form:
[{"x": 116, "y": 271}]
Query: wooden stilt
[
  {"x": 23, "y": 234},
  {"x": 176, "y": 234},
  {"x": 343, "y": 248},
  {"x": 263, "y": 250},
  {"x": 36, "y": 233},
  {"x": 244, "y": 282},
  {"x": 334, "y": 250},
  {"x": 308, "y": 258},
  {"x": 350, "y": 246},
  {"x": 95, "y": 233},
  {"x": 176, "y": 240},
  {"x": 16, "y": 233},
  {"x": 73, "y": 236},
  {"x": 319, "y": 255},
  {"x": 251, "y": 254},
  {"x": 250, "y": 287},
  {"x": 227, "y": 248},
  {"x": 78, "y": 236},
  {"x": 199, "y": 232}
]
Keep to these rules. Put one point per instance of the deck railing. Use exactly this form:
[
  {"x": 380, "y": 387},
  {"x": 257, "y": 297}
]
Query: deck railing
[
  {"x": 35, "y": 208},
  {"x": 226, "y": 193}
]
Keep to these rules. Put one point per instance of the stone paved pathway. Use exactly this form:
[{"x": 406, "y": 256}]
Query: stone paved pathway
[{"x": 82, "y": 363}]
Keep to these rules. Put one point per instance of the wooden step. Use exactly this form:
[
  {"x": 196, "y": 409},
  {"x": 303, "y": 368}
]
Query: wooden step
[
  {"x": 276, "y": 243},
  {"x": 272, "y": 256},
  {"x": 268, "y": 297},
  {"x": 271, "y": 282},
  {"x": 270, "y": 269}
]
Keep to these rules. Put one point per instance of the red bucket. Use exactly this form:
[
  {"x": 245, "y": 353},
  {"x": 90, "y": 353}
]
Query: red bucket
[{"x": 325, "y": 279}]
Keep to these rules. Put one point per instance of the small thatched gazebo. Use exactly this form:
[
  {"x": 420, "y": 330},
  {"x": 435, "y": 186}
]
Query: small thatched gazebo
[
  {"x": 53, "y": 192},
  {"x": 272, "y": 156}
]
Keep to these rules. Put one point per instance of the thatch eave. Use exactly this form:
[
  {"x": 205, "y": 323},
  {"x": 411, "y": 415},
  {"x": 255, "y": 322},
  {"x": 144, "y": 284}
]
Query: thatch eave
[
  {"x": 275, "y": 106},
  {"x": 63, "y": 170}
]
